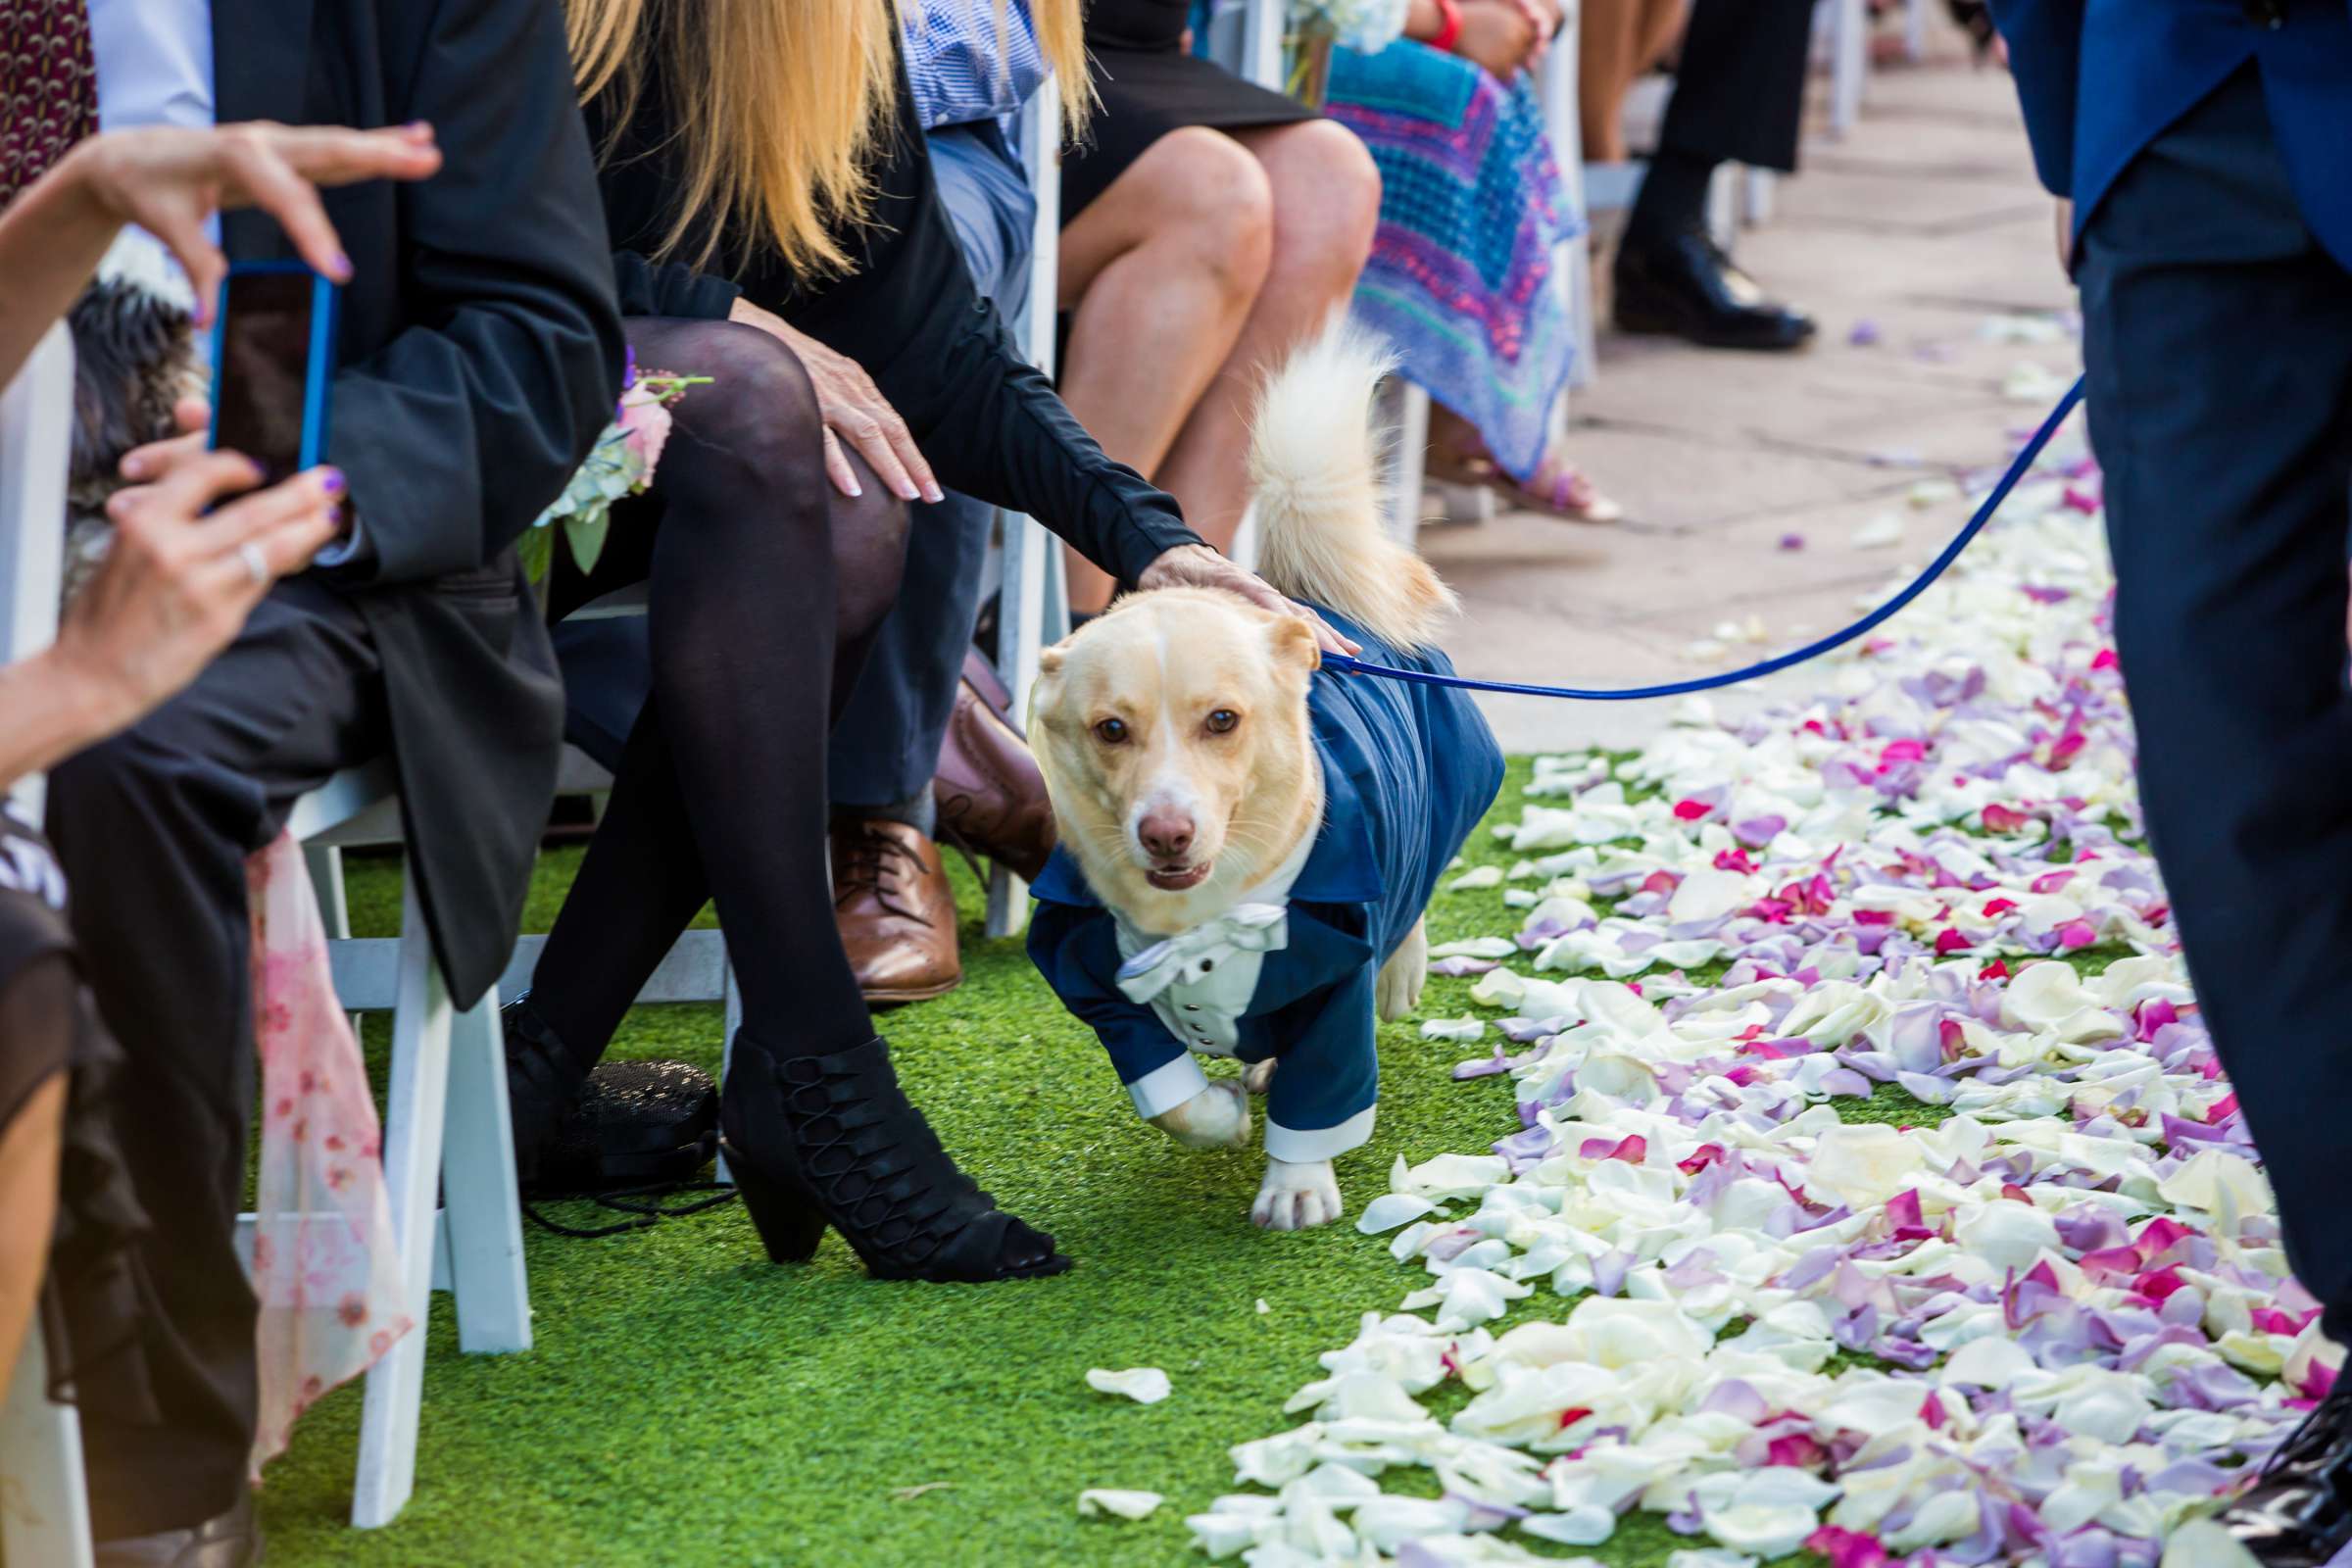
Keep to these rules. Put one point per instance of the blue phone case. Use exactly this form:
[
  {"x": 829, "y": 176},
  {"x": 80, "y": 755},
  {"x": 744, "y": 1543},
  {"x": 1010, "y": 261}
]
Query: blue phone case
[{"x": 319, "y": 375}]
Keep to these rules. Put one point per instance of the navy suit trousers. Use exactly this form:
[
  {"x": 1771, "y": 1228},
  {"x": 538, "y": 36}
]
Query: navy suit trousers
[{"x": 2218, "y": 339}]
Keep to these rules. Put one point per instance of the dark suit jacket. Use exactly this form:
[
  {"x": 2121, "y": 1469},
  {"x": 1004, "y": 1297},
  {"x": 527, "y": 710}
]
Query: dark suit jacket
[
  {"x": 987, "y": 420},
  {"x": 481, "y": 355},
  {"x": 2101, "y": 79}
]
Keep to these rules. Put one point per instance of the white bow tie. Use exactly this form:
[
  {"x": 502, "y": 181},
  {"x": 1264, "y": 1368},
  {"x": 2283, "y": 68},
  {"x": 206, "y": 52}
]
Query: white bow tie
[{"x": 1190, "y": 954}]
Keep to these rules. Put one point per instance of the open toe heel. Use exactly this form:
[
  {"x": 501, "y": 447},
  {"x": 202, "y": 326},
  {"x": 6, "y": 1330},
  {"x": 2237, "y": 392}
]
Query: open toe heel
[
  {"x": 783, "y": 1210},
  {"x": 831, "y": 1140}
]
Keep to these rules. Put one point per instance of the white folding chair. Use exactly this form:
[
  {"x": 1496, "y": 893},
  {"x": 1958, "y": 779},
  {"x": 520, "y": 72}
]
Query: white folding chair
[
  {"x": 44, "y": 1501},
  {"x": 1033, "y": 603},
  {"x": 445, "y": 1130},
  {"x": 447, "y": 1116}
]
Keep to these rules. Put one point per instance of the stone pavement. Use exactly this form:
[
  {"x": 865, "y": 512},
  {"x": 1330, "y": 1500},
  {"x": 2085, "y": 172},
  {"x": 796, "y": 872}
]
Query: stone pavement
[{"x": 1918, "y": 227}]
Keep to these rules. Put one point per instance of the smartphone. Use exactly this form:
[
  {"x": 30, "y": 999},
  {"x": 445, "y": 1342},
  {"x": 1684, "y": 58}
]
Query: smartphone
[{"x": 273, "y": 362}]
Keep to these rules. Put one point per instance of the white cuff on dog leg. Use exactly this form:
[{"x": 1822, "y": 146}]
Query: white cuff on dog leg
[
  {"x": 1294, "y": 1146},
  {"x": 1164, "y": 1087}
]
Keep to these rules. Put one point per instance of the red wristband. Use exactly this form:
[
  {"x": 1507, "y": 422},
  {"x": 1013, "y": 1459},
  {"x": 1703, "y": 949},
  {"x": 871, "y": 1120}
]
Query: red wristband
[{"x": 1449, "y": 31}]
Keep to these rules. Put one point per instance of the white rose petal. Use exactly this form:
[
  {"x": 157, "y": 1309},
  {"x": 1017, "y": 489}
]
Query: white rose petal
[
  {"x": 1096, "y": 1502},
  {"x": 1145, "y": 1385}
]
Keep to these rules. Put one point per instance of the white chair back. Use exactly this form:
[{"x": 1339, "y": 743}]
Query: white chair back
[
  {"x": 36, "y": 435},
  {"x": 44, "y": 1504}
]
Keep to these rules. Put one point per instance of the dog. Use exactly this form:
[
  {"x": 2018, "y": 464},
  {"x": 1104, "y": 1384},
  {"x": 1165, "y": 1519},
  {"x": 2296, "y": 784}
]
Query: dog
[
  {"x": 1249, "y": 840},
  {"x": 135, "y": 359}
]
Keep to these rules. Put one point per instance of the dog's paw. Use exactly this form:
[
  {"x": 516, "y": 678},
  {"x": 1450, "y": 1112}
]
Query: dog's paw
[
  {"x": 1218, "y": 1117},
  {"x": 1259, "y": 1077},
  {"x": 1296, "y": 1197},
  {"x": 1404, "y": 974}
]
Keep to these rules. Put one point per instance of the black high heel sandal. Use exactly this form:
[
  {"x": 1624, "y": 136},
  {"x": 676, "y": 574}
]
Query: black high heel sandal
[{"x": 832, "y": 1140}]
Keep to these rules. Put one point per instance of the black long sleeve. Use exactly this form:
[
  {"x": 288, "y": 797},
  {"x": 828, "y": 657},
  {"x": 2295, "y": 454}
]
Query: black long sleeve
[
  {"x": 671, "y": 288},
  {"x": 460, "y": 428},
  {"x": 989, "y": 422}
]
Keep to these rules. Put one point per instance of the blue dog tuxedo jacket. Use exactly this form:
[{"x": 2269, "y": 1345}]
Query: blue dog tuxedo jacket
[{"x": 1290, "y": 971}]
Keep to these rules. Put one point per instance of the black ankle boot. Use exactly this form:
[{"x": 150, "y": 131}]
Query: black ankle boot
[
  {"x": 543, "y": 1081},
  {"x": 818, "y": 1141},
  {"x": 2297, "y": 1513}
]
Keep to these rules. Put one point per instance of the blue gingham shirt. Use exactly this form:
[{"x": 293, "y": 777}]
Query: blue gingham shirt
[{"x": 962, "y": 70}]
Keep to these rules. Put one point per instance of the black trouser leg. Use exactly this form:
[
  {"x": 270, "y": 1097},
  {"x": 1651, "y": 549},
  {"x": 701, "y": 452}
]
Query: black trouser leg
[
  {"x": 1740, "y": 88},
  {"x": 884, "y": 745},
  {"x": 153, "y": 828},
  {"x": 767, "y": 585},
  {"x": 2217, "y": 337}
]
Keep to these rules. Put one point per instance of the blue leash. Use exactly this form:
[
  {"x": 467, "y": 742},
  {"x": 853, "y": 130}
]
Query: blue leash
[{"x": 1813, "y": 650}]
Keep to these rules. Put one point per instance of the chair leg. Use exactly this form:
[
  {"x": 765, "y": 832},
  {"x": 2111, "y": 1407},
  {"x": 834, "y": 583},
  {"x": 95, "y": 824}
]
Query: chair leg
[
  {"x": 483, "y": 1217},
  {"x": 726, "y": 1058},
  {"x": 325, "y": 862},
  {"x": 44, "y": 1504},
  {"x": 1405, "y": 405},
  {"x": 414, "y": 1125},
  {"x": 1849, "y": 63}
]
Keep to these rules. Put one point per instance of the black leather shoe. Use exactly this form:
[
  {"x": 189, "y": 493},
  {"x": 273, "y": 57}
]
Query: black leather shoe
[
  {"x": 232, "y": 1540},
  {"x": 2297, "y": 1513},
  {"x": 1686, "y": 288}
]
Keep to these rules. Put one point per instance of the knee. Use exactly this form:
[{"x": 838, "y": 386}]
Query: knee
[
  {"x": 1326, "y": 193},
  {"x": 869, "y": 553},
  {"x": 757, "y": 420},
  {"x": 1221, "y": 198}
]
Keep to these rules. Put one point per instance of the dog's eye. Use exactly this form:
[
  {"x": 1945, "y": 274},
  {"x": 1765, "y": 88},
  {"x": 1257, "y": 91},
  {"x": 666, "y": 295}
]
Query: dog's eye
[
  {"x": 1222, "y": 720},
  {"x": 1111, "y": 732}
]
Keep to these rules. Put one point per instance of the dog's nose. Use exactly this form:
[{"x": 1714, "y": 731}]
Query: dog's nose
[{"x": 1165, "y": 834}]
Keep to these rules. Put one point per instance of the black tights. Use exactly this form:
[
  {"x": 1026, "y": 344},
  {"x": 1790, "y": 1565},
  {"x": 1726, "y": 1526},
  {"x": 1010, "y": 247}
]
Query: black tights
[{"x": 767, "y": 585}]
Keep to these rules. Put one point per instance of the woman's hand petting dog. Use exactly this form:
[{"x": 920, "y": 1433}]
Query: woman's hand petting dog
[
  {"x": 853, "y": 410},
  {"x": 1198, "y": 567},
  {"x": 170, "y": 179}
]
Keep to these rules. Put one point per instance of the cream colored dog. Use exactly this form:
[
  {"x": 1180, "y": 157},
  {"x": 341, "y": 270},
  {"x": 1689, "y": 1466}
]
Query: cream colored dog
[{"x": 1173, "y": 731}]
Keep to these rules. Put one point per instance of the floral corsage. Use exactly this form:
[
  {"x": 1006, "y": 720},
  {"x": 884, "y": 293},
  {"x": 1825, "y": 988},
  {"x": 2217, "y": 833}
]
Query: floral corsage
[{"x": 622, "y": 464}]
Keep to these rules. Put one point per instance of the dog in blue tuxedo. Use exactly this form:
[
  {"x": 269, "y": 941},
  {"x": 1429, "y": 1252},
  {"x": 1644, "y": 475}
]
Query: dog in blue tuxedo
[{"x": 1249, "y": 840}]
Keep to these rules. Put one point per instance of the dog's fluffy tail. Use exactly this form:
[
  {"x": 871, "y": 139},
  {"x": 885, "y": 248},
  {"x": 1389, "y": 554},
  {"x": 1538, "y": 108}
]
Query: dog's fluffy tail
[{"x": 1315, "y": 462}]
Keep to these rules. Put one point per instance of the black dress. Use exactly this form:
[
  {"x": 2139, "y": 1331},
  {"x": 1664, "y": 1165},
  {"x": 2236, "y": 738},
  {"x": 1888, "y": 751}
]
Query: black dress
[{"x": 1150, "y": 87}]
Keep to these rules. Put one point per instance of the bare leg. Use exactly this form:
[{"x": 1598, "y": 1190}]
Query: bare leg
[
  {"x": 1162, "y": 270},
  {"x": 31, "y": 1144},
  {"x": 1326, "y": 206},
  {"x": 1618, "y": 40}
]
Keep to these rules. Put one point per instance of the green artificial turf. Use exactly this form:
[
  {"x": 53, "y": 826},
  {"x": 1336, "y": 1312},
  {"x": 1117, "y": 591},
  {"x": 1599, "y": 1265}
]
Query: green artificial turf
[{"x": 688, "y": 1403}]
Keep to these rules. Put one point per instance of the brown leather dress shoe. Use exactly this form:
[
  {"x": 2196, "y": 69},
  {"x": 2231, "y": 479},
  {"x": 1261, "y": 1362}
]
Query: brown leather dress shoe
[
  {"x": 896, "y": 910},
  {"x": 992, "y": 799}
]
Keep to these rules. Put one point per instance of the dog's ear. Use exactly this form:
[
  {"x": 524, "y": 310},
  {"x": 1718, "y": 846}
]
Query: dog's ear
[{"x": 1294, "y": 645}]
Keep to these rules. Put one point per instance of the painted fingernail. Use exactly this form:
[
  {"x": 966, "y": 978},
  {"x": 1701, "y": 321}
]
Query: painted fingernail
[
  {"x": 331, "y": 481},
  {"x": 134, "y": 467},
  {"x": 341, "y": 266},
  {"x": 935, "y": 495},
  {"x": 856, "y": 489}
]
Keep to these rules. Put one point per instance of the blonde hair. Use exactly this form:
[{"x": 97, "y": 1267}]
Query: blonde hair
[
  {"x": 781, "y": 106},
  {"x": 1061, "y": 38}
]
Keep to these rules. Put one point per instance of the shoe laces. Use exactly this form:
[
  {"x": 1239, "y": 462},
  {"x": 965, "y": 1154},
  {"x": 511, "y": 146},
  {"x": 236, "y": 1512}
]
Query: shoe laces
[{"x": 878, "y": 863}]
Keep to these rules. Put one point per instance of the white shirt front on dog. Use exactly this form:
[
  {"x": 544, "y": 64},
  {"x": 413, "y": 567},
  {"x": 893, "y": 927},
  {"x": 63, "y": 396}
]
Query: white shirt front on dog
[{"x": 1204, "y": 978}]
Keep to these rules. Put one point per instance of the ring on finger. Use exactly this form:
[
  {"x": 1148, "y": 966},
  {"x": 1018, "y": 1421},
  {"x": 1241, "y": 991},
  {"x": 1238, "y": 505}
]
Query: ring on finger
[{"x": 257, "y": 564}]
